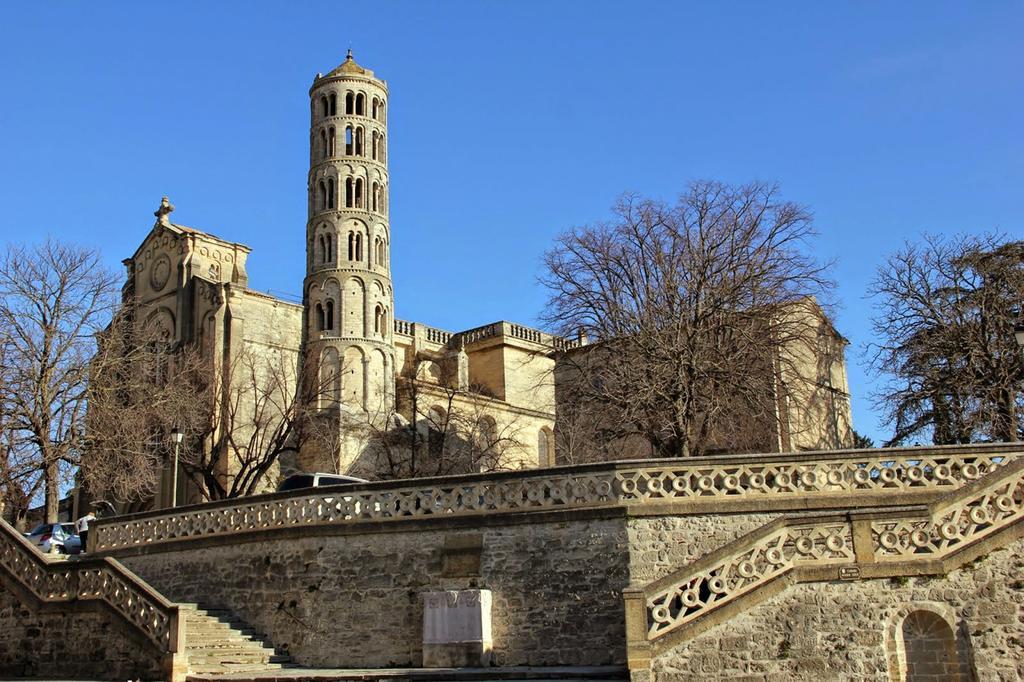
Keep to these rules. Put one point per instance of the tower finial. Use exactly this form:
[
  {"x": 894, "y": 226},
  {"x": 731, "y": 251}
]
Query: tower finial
[{"x": 348, "y": 57}]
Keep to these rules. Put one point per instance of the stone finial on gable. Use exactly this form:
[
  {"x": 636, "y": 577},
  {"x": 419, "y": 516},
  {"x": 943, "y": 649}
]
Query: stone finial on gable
[{"x": 162, "y": 213}]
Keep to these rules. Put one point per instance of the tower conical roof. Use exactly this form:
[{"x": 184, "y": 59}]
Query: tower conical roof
[{"x": 350, "y": 67}]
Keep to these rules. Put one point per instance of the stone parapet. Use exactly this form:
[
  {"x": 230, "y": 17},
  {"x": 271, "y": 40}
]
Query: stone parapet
[{"x": 779, "y": 482}]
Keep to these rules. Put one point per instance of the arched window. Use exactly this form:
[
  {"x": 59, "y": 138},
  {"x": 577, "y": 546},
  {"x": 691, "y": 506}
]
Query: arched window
[
  {"x": 321, "y": 195},
  {"x": 330, "y": 193},
  {"x": 334, "y": 104},
  {"x": 359, "y": 141},
  {"x": 437, "y": 424},
  {"x": 375, "y": 196},
  {"x": 383, "y": 151},
  {"x": 355, "y": 246},
  {"x": 329, "y": 248},
  {"x": 359, "y": 193},
  {"x": 322, "y": 249},
  {"x": 360, "y": 100},
  {"x": 330, "y": 141},
  {"x": 486, "y": 434},
  {"x": 319, "y": 317},
  {"x": 324, "y": 110},
  {"x": 379, "y": 256},
  {"x": 374, "y": 139},
  {"x": 373, "y": 111},
  {"x": 348, "y": 141},
  {"x": 323, "y": 143},
  {"x": 350, "y": 106},
  {"x": 545, "y": 448},
  {"x": 929, "y": 648},
  {"x": 349, "y": 192},
  {"x": 383, "y": 115},
  {"x": 378, "y": 319},
  {"x": 330, "y": 315}
]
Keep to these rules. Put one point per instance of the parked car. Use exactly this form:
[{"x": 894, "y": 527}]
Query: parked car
[
  {"x": 315, "y": 480},
  {"x": 55, "y": 537}
]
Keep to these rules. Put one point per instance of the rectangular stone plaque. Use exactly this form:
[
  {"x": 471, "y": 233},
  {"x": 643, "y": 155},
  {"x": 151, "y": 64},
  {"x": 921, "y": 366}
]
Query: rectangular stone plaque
[
  {"x": 457, "y": 628},
  {"x": 460, "y": 557}
]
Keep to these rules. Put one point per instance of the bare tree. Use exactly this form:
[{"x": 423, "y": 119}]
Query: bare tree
[
  {"x": 141, "y": 387},
  {"x": 55, "y": 297},
  {"x": 249, "y": 415},
  {"x": 439, "y": 426},
  {"x": 695, "y": 310},
  {"x": 946, "y": 310}
]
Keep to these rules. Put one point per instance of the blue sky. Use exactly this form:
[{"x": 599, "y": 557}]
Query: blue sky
[{"x": 512, "y": 121}]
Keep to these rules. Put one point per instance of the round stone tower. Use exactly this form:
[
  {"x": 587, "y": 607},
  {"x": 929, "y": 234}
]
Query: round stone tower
[{"x": 347, "y": 292}]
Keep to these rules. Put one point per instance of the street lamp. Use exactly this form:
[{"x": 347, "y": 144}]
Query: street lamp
[{"x": 176, "y": 437}]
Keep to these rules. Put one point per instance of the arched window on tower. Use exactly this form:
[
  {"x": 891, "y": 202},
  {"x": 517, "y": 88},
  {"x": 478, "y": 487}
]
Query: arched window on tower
[
  {"x": 334, "y": 104},
  {"x": 383, "y": 151},
  {"x": 355, "y": 246},
  {"x": 319, "y": 317},
  {"x": 359, "y": 141},
  {"x": 360, "y": 104},
  {"x": 349, "y": 192},
  {"x": 383, "y": 115},
  {"x": 375, "y": 195},
  {"x": 330, "y": 193},
  {"x": 324, "y": 109},
  {"x": 330, "y": 315},
  {"x": 321, "y": 199},
  {"x": 373, "y": 110},
  {"x": 323, "y": 143},
  {"x": 329, "y": 248},
  {"x": 374, "y": 140},
  {"x": 330, "y": 141},
  {"x": 348, "y": 141},
  {"x": 380, "y": 256},
  {"x": 322, "y": 250},
  {"x": 359, "y": 193},
  {"x": 378, "y": 319},
  {"x": 350, "y": 103}
]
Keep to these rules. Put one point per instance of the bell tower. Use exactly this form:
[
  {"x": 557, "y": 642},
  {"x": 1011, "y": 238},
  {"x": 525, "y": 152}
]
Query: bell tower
[{"x": 347, "y": 293}]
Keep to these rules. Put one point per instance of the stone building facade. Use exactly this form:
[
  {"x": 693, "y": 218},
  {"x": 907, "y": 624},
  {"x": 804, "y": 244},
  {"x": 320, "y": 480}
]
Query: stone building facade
[{"x": 371, "y": 371}]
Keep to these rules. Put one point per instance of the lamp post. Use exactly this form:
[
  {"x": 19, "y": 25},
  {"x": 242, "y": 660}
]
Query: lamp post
[{"x": 176, "y": 437}]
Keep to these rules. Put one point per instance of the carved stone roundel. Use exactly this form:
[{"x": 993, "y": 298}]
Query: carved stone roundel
[{"x": 160, "y": 273}]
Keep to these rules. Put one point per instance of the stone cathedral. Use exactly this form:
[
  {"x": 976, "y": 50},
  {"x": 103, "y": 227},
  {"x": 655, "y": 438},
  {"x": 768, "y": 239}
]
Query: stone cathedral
[{"x": 496, "y": 380}]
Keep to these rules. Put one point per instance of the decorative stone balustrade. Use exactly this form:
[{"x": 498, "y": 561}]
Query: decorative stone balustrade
[
  {"x": 784, "y": 482},
  {"x": 828, "y": 547},
  {"x": 96, "y": 579}
]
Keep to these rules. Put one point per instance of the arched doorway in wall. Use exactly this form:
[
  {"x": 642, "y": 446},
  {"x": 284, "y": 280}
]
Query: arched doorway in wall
[{"x": 929, "y": 649}]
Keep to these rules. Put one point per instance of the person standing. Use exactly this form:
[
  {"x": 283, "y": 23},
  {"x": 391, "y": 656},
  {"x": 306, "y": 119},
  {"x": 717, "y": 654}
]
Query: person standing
[{"x": 82, "y": 526}]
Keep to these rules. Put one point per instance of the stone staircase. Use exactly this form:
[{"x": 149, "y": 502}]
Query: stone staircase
[{"x": 216, "y": 643}]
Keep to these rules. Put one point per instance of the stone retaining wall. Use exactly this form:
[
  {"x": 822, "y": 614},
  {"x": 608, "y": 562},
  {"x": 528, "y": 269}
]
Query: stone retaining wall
[
  {"x": 354, "y": 600},
  {"x": 70, "y": 642},
  {"x": 853, "y": 630}
]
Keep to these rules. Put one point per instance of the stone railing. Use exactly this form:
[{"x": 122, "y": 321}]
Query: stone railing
[
  {"x": 823, "y": 547},
  {"x": 403, "y": 327},
  {"x": 92, "y": 579},
  {"x": 487, "y": 331},
  {"x": 783, "y": 482}
]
